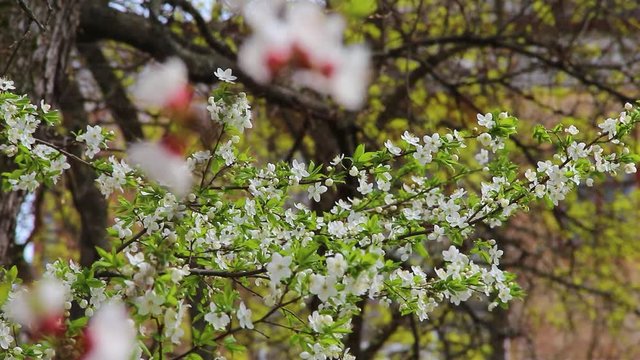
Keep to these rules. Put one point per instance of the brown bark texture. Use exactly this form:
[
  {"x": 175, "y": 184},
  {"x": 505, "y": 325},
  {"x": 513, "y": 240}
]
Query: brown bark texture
[{"x": 34, "y": 48}]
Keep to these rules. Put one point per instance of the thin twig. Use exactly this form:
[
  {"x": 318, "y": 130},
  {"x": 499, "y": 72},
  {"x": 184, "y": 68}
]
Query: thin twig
[
  {"x": 131, "y": 241},
  {"x": 31, "y": 15}
]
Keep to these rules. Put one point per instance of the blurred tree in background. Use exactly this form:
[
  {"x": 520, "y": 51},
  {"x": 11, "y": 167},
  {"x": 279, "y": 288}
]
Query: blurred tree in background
[{"x": 436, "y": 65}]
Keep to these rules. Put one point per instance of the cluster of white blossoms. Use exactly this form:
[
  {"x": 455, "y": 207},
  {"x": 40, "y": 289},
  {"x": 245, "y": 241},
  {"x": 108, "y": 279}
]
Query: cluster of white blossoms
[
  {"x": 108, "y": 182},
  {"x": 299, "y": 36},
  {"x": 93, "y": 138},
  {"x": 19, "y": 120},
  {"x": 240, "y": 250},
  {"x": 234, "y": 111}
]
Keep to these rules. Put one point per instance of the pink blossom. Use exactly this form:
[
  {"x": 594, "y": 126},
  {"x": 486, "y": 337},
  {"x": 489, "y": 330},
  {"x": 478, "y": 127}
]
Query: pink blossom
[
  {"x": 110, "y": 334},
  {"x": 40, "y": 309},
  {"x": 163, "y": 162},
  {"x": 164, "y": 86},
  {"x": 309, "y": 43}
]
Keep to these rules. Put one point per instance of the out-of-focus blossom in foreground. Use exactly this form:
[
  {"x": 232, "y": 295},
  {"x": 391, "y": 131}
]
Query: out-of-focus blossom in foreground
[
  {"x": 308, "y": 42},
  {"x": 163, "y": 162},
  {"x": 164, "y": 86},
  {"x": 39, "y": 309},
  {"x": 110, "y": 334}
]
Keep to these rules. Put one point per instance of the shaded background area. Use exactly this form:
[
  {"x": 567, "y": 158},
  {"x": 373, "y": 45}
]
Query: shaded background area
[{"x": 436, "y": 64}]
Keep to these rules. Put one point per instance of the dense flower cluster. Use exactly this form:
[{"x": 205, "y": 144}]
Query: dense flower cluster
[
  {"x": 234, "y": 111},
  {"x": 38, "y": 161},
  {"x": 184, "y": 249}
]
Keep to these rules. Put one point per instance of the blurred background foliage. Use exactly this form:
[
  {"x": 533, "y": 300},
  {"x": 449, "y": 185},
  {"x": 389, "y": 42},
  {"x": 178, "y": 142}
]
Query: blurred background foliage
[{"x": 436, "y": 64}]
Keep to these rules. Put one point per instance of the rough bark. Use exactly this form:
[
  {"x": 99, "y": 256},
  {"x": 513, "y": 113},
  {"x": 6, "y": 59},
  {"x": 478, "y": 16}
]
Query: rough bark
[
  {"x": 499, "y": 333},
  {"x": 34, "y": 48}
]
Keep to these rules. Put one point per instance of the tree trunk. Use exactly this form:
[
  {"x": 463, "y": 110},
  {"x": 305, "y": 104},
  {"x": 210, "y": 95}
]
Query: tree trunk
[
  {"x": 499, "y": 332},
  {"x": 87, "y": 199},
  {"x": 34, "y": 46}
]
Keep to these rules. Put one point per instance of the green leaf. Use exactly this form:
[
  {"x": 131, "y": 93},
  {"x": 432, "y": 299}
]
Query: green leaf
[
  {"x": 5, "y": 288},
  {"x": 540, "y": 134},
  {"x": 358, "y": 153},
  {"x": 12, "y": 274},
  {"x": 356, "y": 8},
  {"x": 421, "y": 250}
]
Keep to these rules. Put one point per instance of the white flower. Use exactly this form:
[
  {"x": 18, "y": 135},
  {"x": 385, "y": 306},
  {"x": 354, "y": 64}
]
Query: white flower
[
  {"x": 26, "y": 182},
  {"x": 278, "y": 268},
  {"x": 337, "y": 159},
  {"x": 482, "y": 157},
  {"x": 5, "y": 335},
  {"x": 218, "y": 320},
  {"x": 178, "y": 273},
  {"x": 244, "y": 317},
  {"x": 363, "y": 186},
  {"x": 98, "y": 296},
  {"x": 504, "y": 293},
  {"x": 123, "y": 232},
  {"x": 225, "y": 75},
  {"x": 577, "y": 151},
  {"x": 323, "y": 286},
  {"x": 437, "y": 233},
  {"x": 484, "y": 139},
  {"x": 111, "y": 334},
  {"x": 336, "y": 266},
  {"x": 452, "y": 255},
  {"x": 173, "y": 323},
  {"x": 630, "y": 168},
  {"x": 298, "y": 171},
  {"x": 460, "y": 296},
  {"x": 201, "y": 156},
  {"x": 394, "y": 150},
  {"x": 93, "y": 138},
  {"x": 6, "y": 84},
  {"x": 57, "y": 166},
  {"x": 20, "y": 128},
  {"x": 433, "y": 142},
  {"x": 150, "y": 303},
  {"x": 486, "y": 120},
  {"x": 410, "y": 138},
  {"x": 336, "y": 228},
  {"x": 44, "y": 106},
  {"x": 609, "y": 127},
  {"x": 226, "y": 152},
  {"x": 236, "y": 113},
  {"x": 9, "y": 150},
  {"x": 572, "y": 130},
  {"x": 318, "y": 322},
  {"x": 495, "y": 254},
  {"x": 107, "y": 183},
  {"x": 316, "y": 190},
  {"x": 423, "y": 155}
]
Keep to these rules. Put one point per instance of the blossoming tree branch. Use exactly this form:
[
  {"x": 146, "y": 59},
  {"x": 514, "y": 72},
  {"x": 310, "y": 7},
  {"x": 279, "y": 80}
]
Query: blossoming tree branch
[{"x": 209, "y": 245}]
